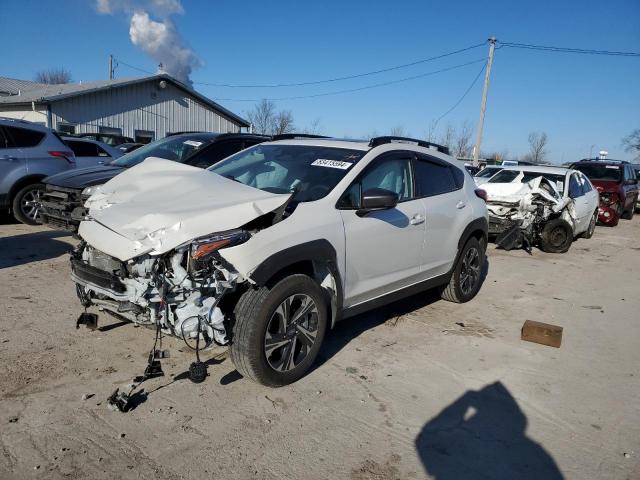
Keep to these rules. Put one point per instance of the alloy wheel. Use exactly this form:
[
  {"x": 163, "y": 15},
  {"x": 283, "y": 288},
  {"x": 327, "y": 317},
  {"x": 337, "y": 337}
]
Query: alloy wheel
[
  {"x": 31, "y": 204},
  {"x": 470, "y": 270},
  {"x": 291, "y": 332}
]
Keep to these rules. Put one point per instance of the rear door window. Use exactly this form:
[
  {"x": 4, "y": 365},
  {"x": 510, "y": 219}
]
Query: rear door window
[
  {"x": 22, "y": 137},
  {"x": 433, "y": 178}
]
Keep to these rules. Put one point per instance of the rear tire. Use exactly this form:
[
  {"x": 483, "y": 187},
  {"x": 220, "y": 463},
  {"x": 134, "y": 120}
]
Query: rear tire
[
  {"x": 556, "y": 237},
  {"x": 26, "y": 204},
  {"x": 270, "y": 345},
  {"x": 592, "y": 226},
  {"x": 466, "y": 278},
  {"x": 628, "y": 215}
]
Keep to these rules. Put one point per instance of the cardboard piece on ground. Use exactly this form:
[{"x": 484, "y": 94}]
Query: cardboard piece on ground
[{"x": 542, "y": 333}]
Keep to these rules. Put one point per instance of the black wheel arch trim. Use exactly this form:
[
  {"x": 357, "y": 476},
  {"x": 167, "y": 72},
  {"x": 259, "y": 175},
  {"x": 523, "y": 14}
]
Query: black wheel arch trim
[
  {"x": 316, "y": 251},
  {"x": 479, "y": 224}
]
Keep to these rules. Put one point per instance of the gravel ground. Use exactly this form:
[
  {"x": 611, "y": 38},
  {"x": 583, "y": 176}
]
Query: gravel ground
[{"x": 419, "y": 389}]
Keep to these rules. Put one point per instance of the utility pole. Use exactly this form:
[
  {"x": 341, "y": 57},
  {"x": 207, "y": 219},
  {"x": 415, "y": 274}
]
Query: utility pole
[
  {"x": 110, "y": 66},
  {"x": 483, "y": 105}
]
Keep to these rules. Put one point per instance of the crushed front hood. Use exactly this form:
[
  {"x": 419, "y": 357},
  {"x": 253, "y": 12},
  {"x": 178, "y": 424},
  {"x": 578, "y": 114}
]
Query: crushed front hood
[{"x": 159, "y": 204}]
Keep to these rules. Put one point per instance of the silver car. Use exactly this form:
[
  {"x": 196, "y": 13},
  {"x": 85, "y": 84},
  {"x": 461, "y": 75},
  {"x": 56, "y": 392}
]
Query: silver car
[
  {"x": 90, "y": 153},
  {"x": 29, "y": 152}
]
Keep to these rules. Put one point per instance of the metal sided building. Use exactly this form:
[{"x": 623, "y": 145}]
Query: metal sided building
[{"x": 145, "y": 108}]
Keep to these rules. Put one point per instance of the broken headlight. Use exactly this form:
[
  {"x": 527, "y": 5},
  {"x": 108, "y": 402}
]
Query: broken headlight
[
  {"x": 87, "y": 192},
  {"x": 204, "y": 246}
]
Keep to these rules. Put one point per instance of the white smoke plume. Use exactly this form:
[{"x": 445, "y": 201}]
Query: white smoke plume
[{"x": 157, "y": 38}]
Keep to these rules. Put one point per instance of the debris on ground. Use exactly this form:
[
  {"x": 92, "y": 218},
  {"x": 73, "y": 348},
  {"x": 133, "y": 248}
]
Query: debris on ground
[{"x": 542, "y": 333}]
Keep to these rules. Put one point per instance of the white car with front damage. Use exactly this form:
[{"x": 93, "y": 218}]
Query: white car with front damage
[
  {"x": 271, "y": 247},
  {"x": 539, "y": 205}
]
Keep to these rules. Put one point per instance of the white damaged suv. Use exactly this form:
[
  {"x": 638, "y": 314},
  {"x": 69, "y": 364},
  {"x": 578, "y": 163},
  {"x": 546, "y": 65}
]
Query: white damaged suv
[{"x": 269, "y": 248}]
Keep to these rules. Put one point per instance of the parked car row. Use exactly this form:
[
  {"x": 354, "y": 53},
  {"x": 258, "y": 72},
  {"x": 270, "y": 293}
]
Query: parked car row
[{"x": 550, "y": 206}]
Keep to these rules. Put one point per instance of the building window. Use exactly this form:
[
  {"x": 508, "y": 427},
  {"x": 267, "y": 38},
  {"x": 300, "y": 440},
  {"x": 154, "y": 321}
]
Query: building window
[
  {"x": 110, "y": 130},
  {"x": 66, "y": 128},
  {"x": 143, "y": 136}
]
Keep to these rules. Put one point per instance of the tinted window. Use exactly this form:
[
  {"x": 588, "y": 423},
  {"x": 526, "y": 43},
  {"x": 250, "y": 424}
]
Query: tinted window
[
  {"x": 3, "y": 139},
  {"x": 214, "y": 153},
  {"x": 586, "y": 184},
  {"x": 505, "y": 176},
  {"x": 433, "y": 178},
  {"x": 310, "y": 171},
  {"x": 176, "y": 148},
  {"x": 83, "y": 149},
  {"x": 601, "y": 172},
  {"x": 487, "y": 172},
  {"x": 22, "y": 137},
  {"x": 575, "y": 189}
]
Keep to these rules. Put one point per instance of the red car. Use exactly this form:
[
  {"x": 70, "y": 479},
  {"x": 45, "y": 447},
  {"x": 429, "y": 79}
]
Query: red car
[{"x": 617, "y": 185}]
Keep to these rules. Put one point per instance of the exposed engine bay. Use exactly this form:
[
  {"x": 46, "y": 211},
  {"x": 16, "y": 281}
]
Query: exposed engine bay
[
  {"x": 179, "y": 291},
  {"x": 518, "y": 212}
]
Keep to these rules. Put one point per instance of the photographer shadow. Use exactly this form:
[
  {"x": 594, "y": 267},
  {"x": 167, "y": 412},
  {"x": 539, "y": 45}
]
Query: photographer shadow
[{"x": 482, "y": 435}]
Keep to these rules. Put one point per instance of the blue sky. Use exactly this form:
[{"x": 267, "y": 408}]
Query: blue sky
[{"x": 583, "y": 102}]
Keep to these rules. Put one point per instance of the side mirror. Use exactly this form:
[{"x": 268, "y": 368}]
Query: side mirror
[{"x": 377, "y": 199}]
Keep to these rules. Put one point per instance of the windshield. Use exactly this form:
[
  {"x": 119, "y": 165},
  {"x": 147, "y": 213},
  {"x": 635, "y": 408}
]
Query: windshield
[
  {"x": 487, "y": 172},
  {"x": 176, "y": 148},
  {"x": 601, "y": 172},
  {"x": 311, "y": 171}
]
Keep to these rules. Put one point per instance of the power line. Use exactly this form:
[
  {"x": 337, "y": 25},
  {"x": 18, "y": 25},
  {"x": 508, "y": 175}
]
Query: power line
[
  {"x": 584, "y": 51},
  {"x": 346, "y": 77},
  {"x": 328, "y": 80},
  {"x": 351, "y": 90},
  {"x": 461, "y": 98}
]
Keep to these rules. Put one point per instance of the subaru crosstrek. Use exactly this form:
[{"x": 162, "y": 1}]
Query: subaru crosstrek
[{"x": 269, "y": 248}]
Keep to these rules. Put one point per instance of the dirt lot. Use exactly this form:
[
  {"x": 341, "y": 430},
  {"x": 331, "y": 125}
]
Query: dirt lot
[{"x": 422, "y": 388}]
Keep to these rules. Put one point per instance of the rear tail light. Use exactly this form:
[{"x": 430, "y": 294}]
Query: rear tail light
[
  {"x": 66, "y": 154},
  {"x": 481, "y": 194}
]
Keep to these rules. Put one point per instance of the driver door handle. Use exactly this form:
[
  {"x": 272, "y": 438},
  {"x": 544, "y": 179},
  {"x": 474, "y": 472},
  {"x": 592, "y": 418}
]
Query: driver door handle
[{"x": 417, "y": 219}]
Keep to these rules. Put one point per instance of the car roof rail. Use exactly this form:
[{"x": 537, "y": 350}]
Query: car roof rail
[
  {"x": 294, "y": 136},
  {"x": 375, "y": 141}
]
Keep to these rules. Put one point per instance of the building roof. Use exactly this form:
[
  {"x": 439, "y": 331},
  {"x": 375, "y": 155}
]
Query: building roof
[
  {"x": 40, "y": 93},
  {"x": 11, "y": 86}
]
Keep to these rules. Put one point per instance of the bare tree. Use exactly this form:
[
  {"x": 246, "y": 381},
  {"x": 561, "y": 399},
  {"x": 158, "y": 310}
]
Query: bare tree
[
  {"x": 283, "y": 123},
  {"x": 448, "y": 137},
  {"x": 398, "y": 131},
  {"x": 462, "y": 141},
  {"x": 631, "y": 143},
  {"x": 262, "y": 116},
  {"x": 53, "y": 76},
  {"x": 431, "y": 131},
  {"x": 314, "y": 128},
  {"x": 537, "y": 147}
]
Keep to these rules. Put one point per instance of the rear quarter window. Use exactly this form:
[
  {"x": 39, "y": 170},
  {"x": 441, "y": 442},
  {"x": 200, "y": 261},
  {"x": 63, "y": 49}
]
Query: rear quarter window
[{"x": 22, "y": 137}]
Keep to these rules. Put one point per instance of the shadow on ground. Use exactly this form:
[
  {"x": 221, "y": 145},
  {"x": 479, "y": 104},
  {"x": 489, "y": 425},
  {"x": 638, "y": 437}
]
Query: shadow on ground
[
  {"x": 31, "y": 247},
  {"x": 482, "y": 435},
  {"x": 351, "y": 328}
]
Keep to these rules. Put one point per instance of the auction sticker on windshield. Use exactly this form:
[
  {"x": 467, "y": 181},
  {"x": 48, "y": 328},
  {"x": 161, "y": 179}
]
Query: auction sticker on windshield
[
  {"x": 193, "y": 143},
  {"x": 323, "y": 162}
]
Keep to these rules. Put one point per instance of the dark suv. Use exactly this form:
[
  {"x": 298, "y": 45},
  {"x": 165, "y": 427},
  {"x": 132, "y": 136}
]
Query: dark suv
[
  {"x": 617, "y": 185},
  {"x": 65, "y": 194}
]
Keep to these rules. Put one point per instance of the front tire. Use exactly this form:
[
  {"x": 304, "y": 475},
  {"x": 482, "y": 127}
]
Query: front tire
[
  {"x": 26, "y": 204},
  {"x": 466, "y": 278},
  {"x": 278, "y": 331},
  {"x": 556, "y": 237}
]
